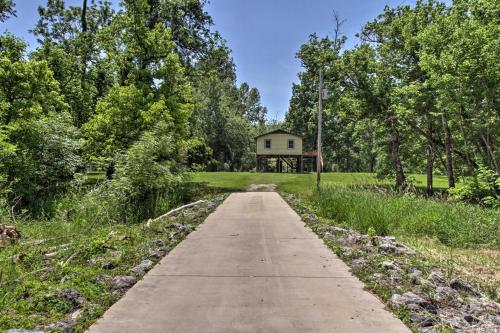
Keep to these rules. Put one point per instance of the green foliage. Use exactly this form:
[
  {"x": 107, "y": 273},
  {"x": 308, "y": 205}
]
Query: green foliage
[
  {"x": 148, "y": 179},
  {"x": 121, "y": 117},
  {"x": 6, "y": 9},
  {"x": 40, "y": 147},
  {"x": 455, "y": 225},
  {"x": 199, "y": 155},
  {"x": 45, "y": 159},
  {"x": 417, "y": 95},
  {"x": 118, "y": 76},
  {"x": 69, "y": 40},
  {"x": 483, "y": 187},
  {"x": 225, "y": 116}
]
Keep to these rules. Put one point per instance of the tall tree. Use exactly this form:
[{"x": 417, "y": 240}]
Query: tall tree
[
  {"x": 41, "y": 145},
  {"x": 70, "y": 42},
  {"x": 152, "y": 88},
  {"x": 6, "y": 9}
]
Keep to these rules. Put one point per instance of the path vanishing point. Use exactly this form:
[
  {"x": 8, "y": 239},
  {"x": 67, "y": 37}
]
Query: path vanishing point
[{"x": 252, "y": 266}]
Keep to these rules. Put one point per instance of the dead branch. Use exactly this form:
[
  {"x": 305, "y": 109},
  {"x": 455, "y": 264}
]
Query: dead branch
[
  {"x": 173, "y": 211},
  {"x": 71, "y": 257}
]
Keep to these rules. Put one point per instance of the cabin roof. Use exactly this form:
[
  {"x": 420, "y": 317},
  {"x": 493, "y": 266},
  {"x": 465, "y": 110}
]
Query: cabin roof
[{"x": 278, "y": 131}]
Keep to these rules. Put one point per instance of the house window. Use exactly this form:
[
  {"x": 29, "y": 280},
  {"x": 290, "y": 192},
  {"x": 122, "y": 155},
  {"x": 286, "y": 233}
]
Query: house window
[
  {"x": 291, "y": 144},
  {"x": 267, "y": 144}
]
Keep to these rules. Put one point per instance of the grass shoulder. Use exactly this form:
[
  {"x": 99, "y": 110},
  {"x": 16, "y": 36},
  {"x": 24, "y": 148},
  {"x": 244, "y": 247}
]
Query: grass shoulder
[{"x": 62, "y": 277}]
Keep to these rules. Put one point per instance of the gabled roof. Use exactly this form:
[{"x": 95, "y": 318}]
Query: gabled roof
[{"x": 278, "y": 131}]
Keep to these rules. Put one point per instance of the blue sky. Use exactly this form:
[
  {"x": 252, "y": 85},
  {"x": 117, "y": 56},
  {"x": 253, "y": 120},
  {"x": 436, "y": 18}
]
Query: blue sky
[{"x": 263, "y": 34}]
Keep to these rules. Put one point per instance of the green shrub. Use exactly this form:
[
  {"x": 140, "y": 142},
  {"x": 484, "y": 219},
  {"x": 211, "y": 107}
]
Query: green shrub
[
  {"x": 199, "y": 155},
  {"x": 483, "y": 187},
  {"x": 38, "y": 143},
  {"x": 44, "y": 161},
  {"x": 149, "y": 180}
]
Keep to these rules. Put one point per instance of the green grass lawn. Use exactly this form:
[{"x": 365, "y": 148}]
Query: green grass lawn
[{"x": 299, "y": 183}]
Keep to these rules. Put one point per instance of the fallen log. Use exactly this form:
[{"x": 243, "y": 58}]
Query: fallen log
[{"x": 173, "y": 211}]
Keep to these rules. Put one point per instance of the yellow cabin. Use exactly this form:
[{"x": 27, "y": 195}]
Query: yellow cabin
[
  {"x": 279, "y": 142},
  {"x": 280, "y": 151}
]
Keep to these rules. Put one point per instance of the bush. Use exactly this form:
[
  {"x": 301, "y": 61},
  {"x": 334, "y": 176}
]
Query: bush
[
  {"x": 483, "y": 187},
  {"x": 149, "y": 180},
  {"x": 38, "y": 143},
  {"x": 199, "y": 155},
  {"x": 43, "y": 160}
]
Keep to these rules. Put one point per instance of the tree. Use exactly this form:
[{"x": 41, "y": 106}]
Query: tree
[
  {"x": 458, "y": 53},
  {"x": 254, "y": 112},
  {"x": 152, "y": 87},
  {"x": 37, "y": 135},
  {"x": 70, "y": 43},
  {"x": 225, "y": 116},
  {"x": 6, "y": 9}
]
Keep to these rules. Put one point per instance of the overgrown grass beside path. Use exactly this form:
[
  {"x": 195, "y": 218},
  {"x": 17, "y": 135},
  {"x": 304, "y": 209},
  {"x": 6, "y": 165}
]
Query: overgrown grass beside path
[
  {"x": 61, "y": 277},
  {"x": 453, "y": 224}
]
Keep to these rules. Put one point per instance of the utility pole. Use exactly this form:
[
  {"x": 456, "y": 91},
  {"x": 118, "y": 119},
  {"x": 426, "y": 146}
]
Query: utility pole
[{"x": 320, "y": 122}]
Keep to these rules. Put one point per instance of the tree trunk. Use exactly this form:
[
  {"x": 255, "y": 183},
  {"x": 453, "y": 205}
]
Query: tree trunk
[
  {"x": 231, "y": 157},
  {"x": 110, "y": 170},
  {"x": 490, "y": 154},
  {"x": 84, "y": 16},
  {"x": 464, "y": 156},
  {"x": 395, "y": 155},
  {"x": 470, "y": 162},
  {"x": 372, "y": 157},
  {"x": 448, "y": 149},
  {"x": 430, "y": 155}
]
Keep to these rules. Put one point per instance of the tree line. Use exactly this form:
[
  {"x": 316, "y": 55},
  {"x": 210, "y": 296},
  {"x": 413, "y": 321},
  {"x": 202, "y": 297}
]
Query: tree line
[
  {"x": 417, "y": 94},
  {"x": 144, "y": 92}
]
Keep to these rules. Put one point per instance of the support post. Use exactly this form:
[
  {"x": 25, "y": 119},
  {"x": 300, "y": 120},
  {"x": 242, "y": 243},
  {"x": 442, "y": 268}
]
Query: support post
[{"x": 320, "y": 121}]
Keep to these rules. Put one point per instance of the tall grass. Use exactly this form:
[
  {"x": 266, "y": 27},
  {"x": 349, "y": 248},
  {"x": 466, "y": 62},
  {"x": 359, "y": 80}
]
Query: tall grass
[{"x": 454, "y": 224}]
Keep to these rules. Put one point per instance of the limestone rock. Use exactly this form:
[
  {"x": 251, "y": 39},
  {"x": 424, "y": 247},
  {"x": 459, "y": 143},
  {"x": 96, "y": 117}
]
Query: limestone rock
[
  {"x": 389, "y": 265},
  {"x": 412, "y": 301},
  {"x": 463, "y": 286},
  {"x": 446, "y": 293},
  {"x": 157, "y": 253},
  {"x": 142, "y": 267},
  {"x": 122, "y": 282},
  {"x": 71, "y": 295},
  {"x": 436, "y": 278},
  {"x": 359, "y": 262}
]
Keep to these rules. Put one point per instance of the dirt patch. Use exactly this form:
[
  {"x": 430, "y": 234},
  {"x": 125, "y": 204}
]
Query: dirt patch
[{"x": 261, "y": 188}]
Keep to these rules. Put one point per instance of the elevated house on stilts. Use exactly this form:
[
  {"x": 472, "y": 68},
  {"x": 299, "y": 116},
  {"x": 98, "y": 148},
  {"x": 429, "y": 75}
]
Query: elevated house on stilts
[{"x": 282, "y": 151}]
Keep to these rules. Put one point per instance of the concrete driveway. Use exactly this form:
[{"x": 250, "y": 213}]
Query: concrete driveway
[{"x": 252, "y": 266}]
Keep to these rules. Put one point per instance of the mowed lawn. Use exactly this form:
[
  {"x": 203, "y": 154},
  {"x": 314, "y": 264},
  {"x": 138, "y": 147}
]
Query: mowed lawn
[{"x": 300, "y": 183}]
